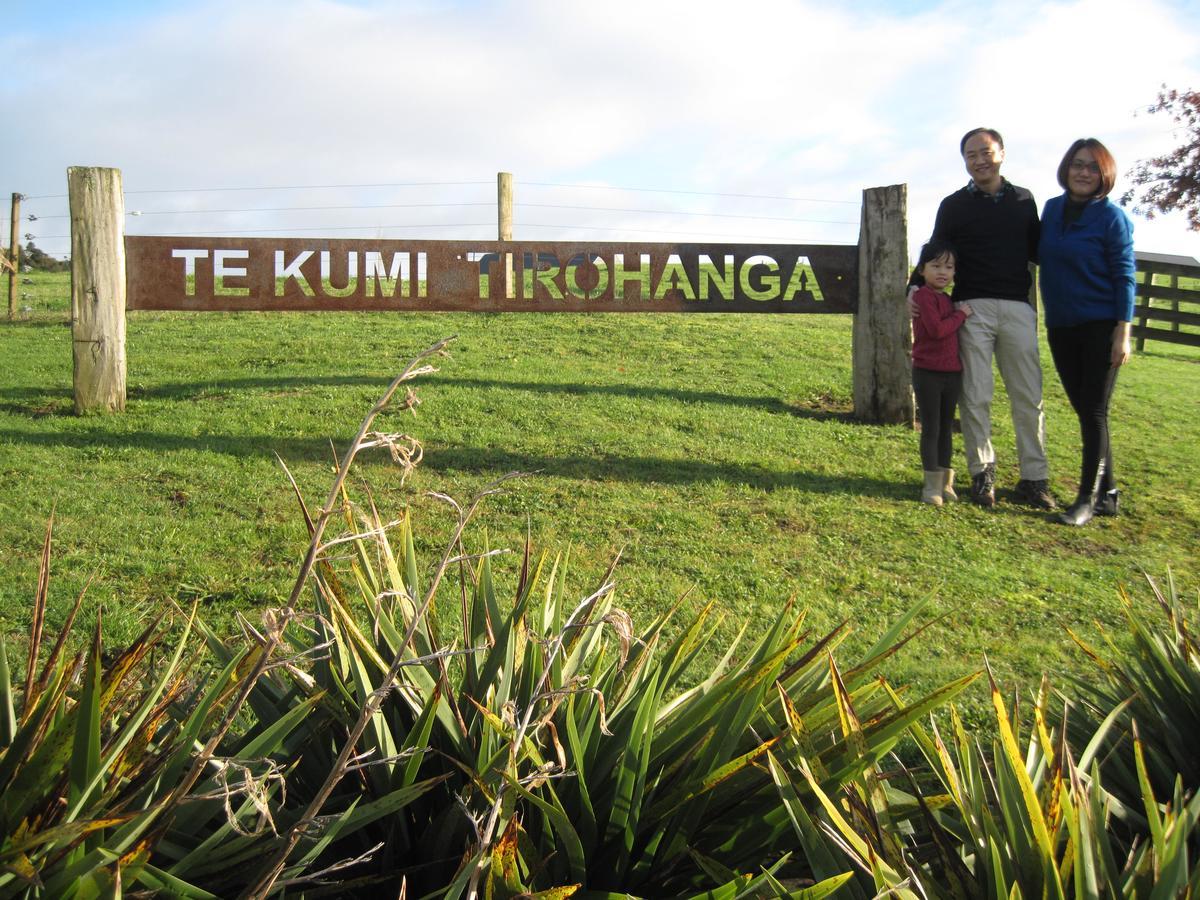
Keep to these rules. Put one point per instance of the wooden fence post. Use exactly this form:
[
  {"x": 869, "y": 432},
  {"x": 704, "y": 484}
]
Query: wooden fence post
[
  {"x": 1143, "y": 292},
  {"x": 1174, "y": 284},
  {"x": 882, "y": 326},
  {"x": 97, "y": 287},
  {"x": 504, "y": 205},
  {"x": 504, "y": 219},
  {"x": 14, "y": 255}
]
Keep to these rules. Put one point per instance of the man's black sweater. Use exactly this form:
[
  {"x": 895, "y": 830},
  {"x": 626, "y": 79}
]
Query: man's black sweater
[{"x": 995, "y": 238}]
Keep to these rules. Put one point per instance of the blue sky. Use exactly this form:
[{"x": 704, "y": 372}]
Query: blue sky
[{"x": 766, "y": 99}]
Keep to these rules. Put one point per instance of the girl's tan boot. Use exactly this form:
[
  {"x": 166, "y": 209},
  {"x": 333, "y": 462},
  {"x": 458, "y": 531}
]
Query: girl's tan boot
[
  {"x": 932, "y": 492},
  {"x": 948, "y": 486}
]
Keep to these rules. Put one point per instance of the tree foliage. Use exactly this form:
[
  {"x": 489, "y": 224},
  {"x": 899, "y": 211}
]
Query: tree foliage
[
  {"x": 1171, "y": 183},
  {"x": 32, "y": 258},
  {"x": 40, "y": 261}
]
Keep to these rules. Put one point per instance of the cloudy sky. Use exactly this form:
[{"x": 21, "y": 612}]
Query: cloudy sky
[{"x": 628, "y": 119}]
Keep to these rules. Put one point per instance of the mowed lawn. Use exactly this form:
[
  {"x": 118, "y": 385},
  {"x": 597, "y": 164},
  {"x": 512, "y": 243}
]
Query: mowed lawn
[{"x": 716, "y": 454}]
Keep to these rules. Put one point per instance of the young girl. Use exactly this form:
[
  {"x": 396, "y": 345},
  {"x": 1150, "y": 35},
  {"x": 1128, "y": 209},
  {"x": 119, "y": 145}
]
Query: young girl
[{"x": 937, "y": 371}]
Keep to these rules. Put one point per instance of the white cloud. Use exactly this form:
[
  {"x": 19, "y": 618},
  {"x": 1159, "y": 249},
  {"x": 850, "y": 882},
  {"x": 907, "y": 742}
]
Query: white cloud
[{"x": 767, "y": 97}]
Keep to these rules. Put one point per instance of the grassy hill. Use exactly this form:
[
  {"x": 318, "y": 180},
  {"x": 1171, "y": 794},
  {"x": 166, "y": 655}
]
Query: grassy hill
[{"x": 715, "y": 453}]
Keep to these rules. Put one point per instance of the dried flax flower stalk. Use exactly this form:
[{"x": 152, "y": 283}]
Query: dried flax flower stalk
[
  {"x": 406, "y": 452},
  {"x": 273, "y": 638}
]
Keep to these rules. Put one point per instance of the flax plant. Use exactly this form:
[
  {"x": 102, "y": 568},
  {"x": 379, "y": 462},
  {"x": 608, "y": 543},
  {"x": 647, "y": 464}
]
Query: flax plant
[
  {"x": 130, "y": 772},
  {"x": 92, "y": 749},
  {"x": 1016, "y": 822},
  {"x": 1153, "y": 677},
  {"x": 560, "y": 749},
  {"x": 547, "y": 745}
]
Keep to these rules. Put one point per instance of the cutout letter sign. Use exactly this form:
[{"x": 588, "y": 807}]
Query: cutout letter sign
[{"x": 187, "y": 273}]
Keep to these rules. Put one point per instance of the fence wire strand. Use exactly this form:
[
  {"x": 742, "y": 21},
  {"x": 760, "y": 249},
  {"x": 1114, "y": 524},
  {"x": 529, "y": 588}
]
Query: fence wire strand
[{"x": 31, "y": 214}]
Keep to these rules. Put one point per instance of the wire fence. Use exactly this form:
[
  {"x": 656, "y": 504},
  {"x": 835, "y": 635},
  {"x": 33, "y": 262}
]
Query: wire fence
[{"x": 545, "y": 210}]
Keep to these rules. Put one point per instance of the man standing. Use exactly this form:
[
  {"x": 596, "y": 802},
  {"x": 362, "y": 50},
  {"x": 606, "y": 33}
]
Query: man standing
[{"x": 993, "y": 227}]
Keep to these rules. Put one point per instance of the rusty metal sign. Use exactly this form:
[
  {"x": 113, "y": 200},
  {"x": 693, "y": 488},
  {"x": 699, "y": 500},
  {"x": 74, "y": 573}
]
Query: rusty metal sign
[{"x": 188, "y": 273}]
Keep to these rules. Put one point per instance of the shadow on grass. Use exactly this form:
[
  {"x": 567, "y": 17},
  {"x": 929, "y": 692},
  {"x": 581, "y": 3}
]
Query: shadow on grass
[
  {"x": 1169, "y": 352},
  {"x": 37, "y": 320},
  {"x": 39, "y": 405},
  {"x": 34, "y": 401},
  {"x": 824, "y": 409},
  {"x": 486, "y": 462},
  {"x": 657, "y": 470}
]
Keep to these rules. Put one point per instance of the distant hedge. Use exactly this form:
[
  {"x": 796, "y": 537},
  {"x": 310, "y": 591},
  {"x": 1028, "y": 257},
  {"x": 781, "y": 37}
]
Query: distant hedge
[{"x": 33, "y": 258}]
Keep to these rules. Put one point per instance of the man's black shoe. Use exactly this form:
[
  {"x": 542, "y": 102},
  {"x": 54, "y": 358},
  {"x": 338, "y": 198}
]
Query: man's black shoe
[
  {"x": 983, "y": 486},
  {"x": 1036, "y": 492}
]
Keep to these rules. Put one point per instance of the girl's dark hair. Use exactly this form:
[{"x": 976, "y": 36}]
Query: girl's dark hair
[{"x": 932, "y": 250}]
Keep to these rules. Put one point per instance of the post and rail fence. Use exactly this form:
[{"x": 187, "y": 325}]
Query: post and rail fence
[
  {"x": 1168, "y": 281},
  {"x": 112, "y": 272}
]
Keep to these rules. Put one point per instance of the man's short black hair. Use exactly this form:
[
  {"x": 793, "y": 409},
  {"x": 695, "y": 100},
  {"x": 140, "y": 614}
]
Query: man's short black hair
[{"x": 990, "y": 132}]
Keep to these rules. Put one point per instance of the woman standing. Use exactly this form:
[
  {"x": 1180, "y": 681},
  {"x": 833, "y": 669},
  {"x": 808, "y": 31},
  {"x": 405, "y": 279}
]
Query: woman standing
[{"x": 1087, "y": 281}]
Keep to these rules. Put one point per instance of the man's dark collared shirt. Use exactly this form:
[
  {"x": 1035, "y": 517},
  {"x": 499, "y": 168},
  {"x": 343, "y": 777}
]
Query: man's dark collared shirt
[{"x": 995, "y": 237}]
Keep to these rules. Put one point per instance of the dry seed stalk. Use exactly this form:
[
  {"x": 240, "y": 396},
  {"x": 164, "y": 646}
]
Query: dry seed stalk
[
  {"x": 275, "y": 866},
  {"x": 344, "y": 760},
  {"x": 540, "y": 692},
  {"x": 275, "y": 637}
]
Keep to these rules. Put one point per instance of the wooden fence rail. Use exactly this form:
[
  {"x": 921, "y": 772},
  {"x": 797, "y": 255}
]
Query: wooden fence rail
[{"x": 1164, "y": 283}]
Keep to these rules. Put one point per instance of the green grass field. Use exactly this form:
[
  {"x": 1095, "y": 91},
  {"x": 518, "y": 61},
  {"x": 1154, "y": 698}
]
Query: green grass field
[{"x": 716, "y": 453}]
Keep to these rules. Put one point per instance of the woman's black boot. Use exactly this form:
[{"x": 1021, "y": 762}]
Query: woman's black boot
[
  {"x": 1108, "y": 500},
  {"x": 1108, "y": 503},
  {"x": 1081, "y": 511}
]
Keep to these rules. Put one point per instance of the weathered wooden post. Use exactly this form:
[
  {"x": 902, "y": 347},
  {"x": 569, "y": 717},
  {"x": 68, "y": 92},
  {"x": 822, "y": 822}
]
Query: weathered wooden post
[
  {"x": 882, "y": 327},
  {"x": 14, "y": 255},
  {"x": 97, "y": 287},
  {"x": 504, "y": 217},
  {"x": 504, "y": 208}
]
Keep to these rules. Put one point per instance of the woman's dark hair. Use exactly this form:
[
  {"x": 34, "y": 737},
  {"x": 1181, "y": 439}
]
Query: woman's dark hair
[
  {"x": 1104, "y": 159},
  {"x": 932, "y": 250}
]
